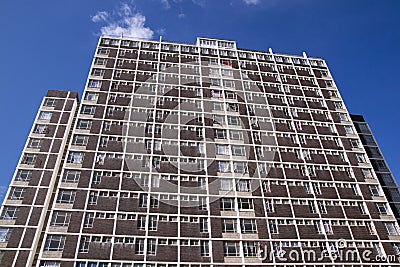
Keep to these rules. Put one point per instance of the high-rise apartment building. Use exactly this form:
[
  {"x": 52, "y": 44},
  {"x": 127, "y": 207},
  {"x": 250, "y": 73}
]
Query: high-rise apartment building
[
  {"x": 196, "y": 155},
  {"x": 383, "y": 173}
]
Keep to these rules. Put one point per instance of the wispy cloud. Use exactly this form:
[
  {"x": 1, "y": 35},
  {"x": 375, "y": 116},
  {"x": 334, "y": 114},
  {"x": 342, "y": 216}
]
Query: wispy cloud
[
  {"x": 181, "y": 15},
  {"x": 100, "y": 16},
  {"x": 252, "y": 2},
  {"x": 125, "y": 22}
]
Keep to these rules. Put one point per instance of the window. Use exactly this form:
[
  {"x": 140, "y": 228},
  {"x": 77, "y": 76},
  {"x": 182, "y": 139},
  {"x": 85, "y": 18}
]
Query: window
[
  {"x": 199, "y": 132},
  {"x": 250, "y": 249},
  {"x": 9, "y": 213},
  {"x": 231, "y": 249},
  {"x": 348, "y": 129},
  {"x": 226, "y": 72},
  {"x": 71, "y": 176},
  {"x": 355, "y": 189},
  {"x": 98, "y": 72},
  {"x": 220, "y": 134},
  {"x": 29, "y": 159},
  {"x": 153, "y": 223},
  {"x": 243, "y": 185},
  {"x": 23, "y": 175},
  {"x": 238, "y": 151},
  {"x": 343, "y": 117},
  {"x": 218, "y": 106},
  {"x": 80, "y": 140},
  {"x": 321, "y": 207},
  {"x": 361, "y": 207},
  {"x": 392, "y": 228},
  {"x": 360, "y": 158},
  {"x": 16, "y": 193},
  {"x": 363, "y": 127},
  {"x": 236, "y": 135},
  {"x": 233, "y": 121},
  {"x": 338, "y": 105},
  {"x": 153, "y": 201},
  {"x": 229, "y": 94},
  {"x": 371, "y": 228},
  {"x": 311, "y": 206},
  {"x": 248, "y": 226},
  {"x": 139, "y": 246},
  {"x": 5, "y": 234},
  {"x": 328, "y": 228},
  {"x": 84, "y": 244},
  {"x": 215, "y": 82},
  {"x": 151, "y": 246},
  {"x": 378, "y": 249},
  {"x": 203, "y": 203},
  {"x": 273, "y": 227},
  {"x": 245, "y": 204},
  {"x": 84, "y": 124},
  {"x": 219, "y": 119},
  {"x": 203, "y": 225},
  {"x": 367, "y": 174},
  {"x": 223, "y": 166},
  {"x": 40, "y": 129},
  {"x": 54, "y": 243},
  {"x": 227, "y": 204},
  {"x": 232, "y": 107},
  {"x": 66, "y": 197},
  {"x": 141, "y": 222},
  {"x": 222, "y": 149},
  {"x": 225, "y": 184},
  {"x": 88, "y": 110},
  {"x": 93, "y": 196},
  {"x": 34, "y": 143},
  {"x": 45, "y": 115},
  {"x": 94, "y": 84},
  {"x": 307, "y": 188},
  {"x": 50, "y": 102},
  {"x": 368, "y": 139},
  {"x": 204, "y": 248},
  {"x": 75, "y": 157},
  {"x": 240, "y": 167},
  {"x": 50, "y": 264},
  {"x": 89, "y": 219},
  {"x": 354, "y": 143},
  {"x": 375, "y": 191},
  {"x": 382, "y": 208},
  {"x": 229, "y": 226},
  {"x": 317, "y": 227},
  {"x": 269, "y": 205},
  {"x": 60, "y": 218},
  {"x": 89, "y": 96},
  {"x": 143, "y": 201}
]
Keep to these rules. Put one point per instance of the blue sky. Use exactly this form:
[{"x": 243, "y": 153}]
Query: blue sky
[{"x": 49, "y": 45}]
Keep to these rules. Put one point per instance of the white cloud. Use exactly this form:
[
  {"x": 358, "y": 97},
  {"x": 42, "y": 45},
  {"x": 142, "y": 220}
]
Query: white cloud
[
  {"x": 125, "y": 23},
  {"x": 252, "y": 2},
  {"x": 100, "y": 16},
  {"x": 132, "y": 26},
  {"x": 181, "y": 15},
  {"x": 125, "y": 10}
]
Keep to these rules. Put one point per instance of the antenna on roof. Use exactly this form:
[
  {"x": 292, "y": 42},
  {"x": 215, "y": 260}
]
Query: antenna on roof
[
  {"x": 122, "y": 34},
  {"x": 304, "y": 55},
  {"x": 160, "y": 38}
]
